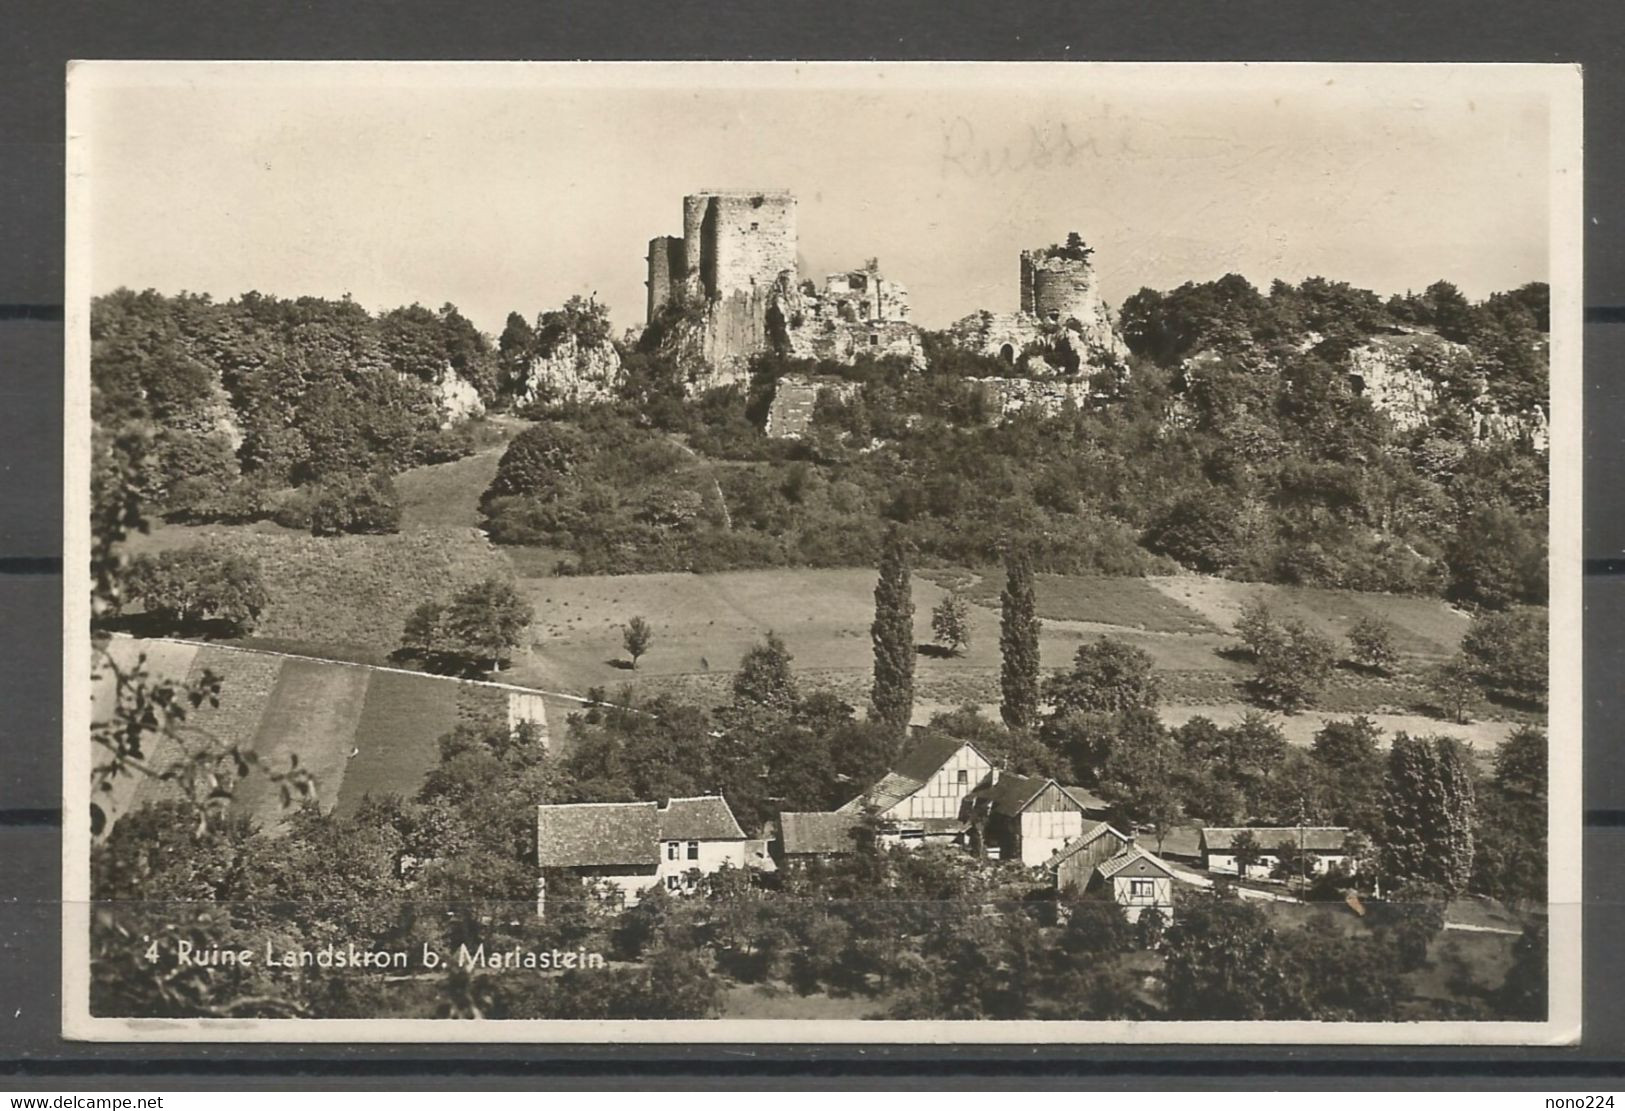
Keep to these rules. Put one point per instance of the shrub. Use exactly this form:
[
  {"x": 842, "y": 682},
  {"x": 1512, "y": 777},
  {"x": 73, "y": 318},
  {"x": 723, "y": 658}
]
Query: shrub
[{"x": 358, "y": 505}]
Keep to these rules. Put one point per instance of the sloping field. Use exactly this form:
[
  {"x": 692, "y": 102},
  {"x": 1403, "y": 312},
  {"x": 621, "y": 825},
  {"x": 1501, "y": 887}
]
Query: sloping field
[
  {"x": 1126, "y": 602},
  {"x": 246, "y": 683},
  {"x": 446, "y": 495},
  {"x": 1424, "y": 626},
  {"x": 320, "y": 710},
  {"x": 347, "y": 592},
  {"x": 312, "y": 714},
  {"x": 398, "y": 736},
  {"x": 703, "y": 624}
]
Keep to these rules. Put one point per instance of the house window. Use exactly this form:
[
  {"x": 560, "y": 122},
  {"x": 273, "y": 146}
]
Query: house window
[
  {"x": 874, "y": 339},
  {"x": 694, "y": 850},
  {"x": 671, "y": 850},
  {"x": 963, "y": 778},
  {"x": 674, "y": 883},
  {"x": 1141, "y": 889}
]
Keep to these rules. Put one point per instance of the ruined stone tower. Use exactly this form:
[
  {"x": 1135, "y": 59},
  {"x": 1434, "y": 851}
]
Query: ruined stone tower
[
  {"x": 1058, "y": 284},
  {"x": 734, "y": 242}
]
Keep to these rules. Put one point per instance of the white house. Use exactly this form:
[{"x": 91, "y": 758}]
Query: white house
[
  {"x": 624, "y": 848},
  {"x": 1321, "y": 848},
  {"x": 1138, "y": 880},
  {"x": 922, "y": 799}
]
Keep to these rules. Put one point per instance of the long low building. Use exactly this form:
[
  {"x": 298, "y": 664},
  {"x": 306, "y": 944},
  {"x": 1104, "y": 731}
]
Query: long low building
[
  {"x": 1321, "y": 848},
  {"x": 622, "y": 849}
]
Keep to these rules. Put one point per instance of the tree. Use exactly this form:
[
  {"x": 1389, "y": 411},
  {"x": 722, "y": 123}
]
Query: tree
[
  {"x": 1350, "y": 756},
  {"x": 1507, "y": 653},
  {"x": 1199, "y": 529},
  {"x": 636, "y": 638},
  {"x": 476, "y": 630},
  {"x": 1371, "y": 644},
  {"x": 1018, "y": 643},
  {"x": 764, "y": 677},
  {"x": 1109, "y": 676},
  {"x": 1293, "y": 666},
  {"x": 187, "y": 586},
  {"x": 1428, "y": 813},
  {"x": 1224, "y": 962},
  {"x": 1452, "y": 682},
  {"x": 1256, "y": 625},
  {"x": 892, "y": 697},
  {"x": 950, "y": 622},
  {"x": 1247, "y": 851}
]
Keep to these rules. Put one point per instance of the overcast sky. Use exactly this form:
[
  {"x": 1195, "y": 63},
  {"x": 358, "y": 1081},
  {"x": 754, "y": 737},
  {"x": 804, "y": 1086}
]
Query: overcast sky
[{"x": 511, "y": 188}]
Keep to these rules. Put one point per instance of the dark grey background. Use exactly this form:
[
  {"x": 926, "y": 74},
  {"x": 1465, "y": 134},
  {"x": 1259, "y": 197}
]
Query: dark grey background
[{"x": 37, "y": 40}]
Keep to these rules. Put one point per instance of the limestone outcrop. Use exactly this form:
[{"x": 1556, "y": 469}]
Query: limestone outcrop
[{"x": 572, "y": 372}]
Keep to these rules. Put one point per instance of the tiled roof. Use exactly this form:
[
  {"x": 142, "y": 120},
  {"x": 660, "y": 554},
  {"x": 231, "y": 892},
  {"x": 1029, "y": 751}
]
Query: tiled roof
[
  {"x": 598, "y": 834},
  {"x": 1131, "y": 855},
  {"x": 926, "y": 756},
  {"x": 817, "y": 832},
  {"x": 892, "y": 789},
  {"x": 1182, "y": 841},
  {"x": 1269, "y": 838},
  {"x": 706, "y": 818},
  {"x": 1086, "y": 798},
  {"x": 1084, "y": 840}
]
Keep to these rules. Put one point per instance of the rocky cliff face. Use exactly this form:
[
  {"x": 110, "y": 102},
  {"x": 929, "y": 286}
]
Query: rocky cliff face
[
  {"x": 1401, "y": 375},
  {"x": 458, "y": 398},
  {"x": 572, "y": 372}
]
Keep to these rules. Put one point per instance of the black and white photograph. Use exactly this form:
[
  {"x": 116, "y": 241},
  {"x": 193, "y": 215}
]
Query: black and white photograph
[{"x": 827, "y": 552}]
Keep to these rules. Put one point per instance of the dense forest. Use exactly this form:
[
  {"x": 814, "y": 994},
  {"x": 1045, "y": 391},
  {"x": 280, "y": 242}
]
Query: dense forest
[{"x": 1236, "y": 443}]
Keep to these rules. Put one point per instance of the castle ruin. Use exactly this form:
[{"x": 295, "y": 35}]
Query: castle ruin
[{"x": 734, "y": 274}]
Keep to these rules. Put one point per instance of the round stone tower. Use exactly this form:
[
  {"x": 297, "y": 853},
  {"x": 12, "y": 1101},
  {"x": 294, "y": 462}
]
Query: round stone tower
[{"x": 1058, "y": 284}]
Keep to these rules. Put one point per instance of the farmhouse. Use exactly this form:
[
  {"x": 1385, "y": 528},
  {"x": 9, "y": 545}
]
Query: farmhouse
[
  {"x": 621, "y": 849},
  {"x": 1028, "y": 817},
  {"x": 1321, "y": 848},
  {"x": 922, "y": 799}
]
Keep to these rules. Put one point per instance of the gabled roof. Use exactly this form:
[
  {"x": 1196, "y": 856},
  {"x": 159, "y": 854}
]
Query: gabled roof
[
  {"x": 598, "y": 834},
  {"x": 1012, "y": 794},
  {"x": 1084, "y": 840},
  {"x": 817, "y": 832},
  {"x": 1130, "y": 856},
  {"x": 704, "y": 818},
  {"x": 926, "y": 756},
  {"x": 1086, "y": 798},
  {"x": 912, "y": 771},
  {"x": 1269, "y": 838}
]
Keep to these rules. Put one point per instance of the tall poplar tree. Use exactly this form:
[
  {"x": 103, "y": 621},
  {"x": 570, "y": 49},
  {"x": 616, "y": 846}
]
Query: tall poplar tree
[
  {"x": 892, "y": 698},
  {"x": 1018, "y": 644},
  {"x": 1428, "y": 813}
]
